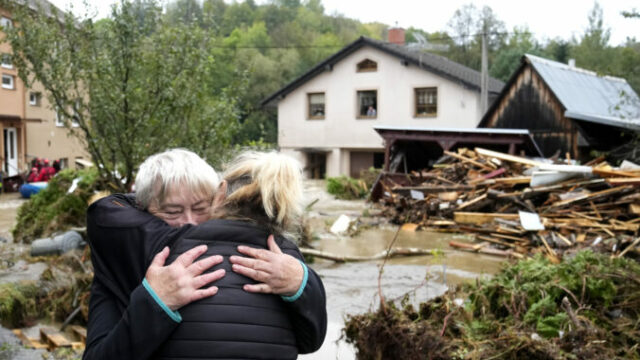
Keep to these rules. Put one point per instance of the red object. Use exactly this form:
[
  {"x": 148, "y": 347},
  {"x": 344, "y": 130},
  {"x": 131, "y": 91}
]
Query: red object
[
  {"x": 33, "y": 175},
  {"x": 46, "y": 173}
]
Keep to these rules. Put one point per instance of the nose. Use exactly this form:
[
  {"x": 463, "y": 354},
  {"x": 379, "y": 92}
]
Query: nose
[{"x": 189, "y": 218}]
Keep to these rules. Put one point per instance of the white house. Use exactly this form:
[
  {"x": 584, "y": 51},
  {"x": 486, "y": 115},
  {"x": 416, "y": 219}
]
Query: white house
[{"x": 326, "y": 116}]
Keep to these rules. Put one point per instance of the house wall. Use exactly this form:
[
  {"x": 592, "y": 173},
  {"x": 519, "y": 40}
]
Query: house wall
[
  {"x": 341, "y": 131},
  {"x": 12, "y": 108},
  {"x": 45, "y": 139},
  {"x": 529, "y": 104}
]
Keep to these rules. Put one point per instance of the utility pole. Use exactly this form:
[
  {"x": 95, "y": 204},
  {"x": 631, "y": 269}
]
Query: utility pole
[{"x": 484, "y": 75}]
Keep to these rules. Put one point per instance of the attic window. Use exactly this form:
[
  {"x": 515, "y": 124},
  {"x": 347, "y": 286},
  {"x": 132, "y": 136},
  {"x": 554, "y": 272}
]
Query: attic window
[{"x": 367, "y": 65}]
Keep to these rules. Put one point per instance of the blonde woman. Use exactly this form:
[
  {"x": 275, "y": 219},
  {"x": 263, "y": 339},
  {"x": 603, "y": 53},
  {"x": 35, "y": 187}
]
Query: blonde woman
[{"x": 255, "y": 311}]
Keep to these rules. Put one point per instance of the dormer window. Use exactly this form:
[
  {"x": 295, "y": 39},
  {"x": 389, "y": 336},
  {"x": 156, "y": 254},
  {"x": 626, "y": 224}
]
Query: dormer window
[{"x": 367, "y": 65}]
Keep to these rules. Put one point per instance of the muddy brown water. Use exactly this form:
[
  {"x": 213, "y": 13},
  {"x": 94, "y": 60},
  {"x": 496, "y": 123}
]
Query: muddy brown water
[{"x": 352, "y": 288}]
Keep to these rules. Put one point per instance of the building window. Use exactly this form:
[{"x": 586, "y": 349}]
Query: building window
[
  {"x": 367, "y": 65},
  {"x": 59, "y": 118},
  {"x": 316, "y": 105},
  {"x": 64, "y": 163},
  {"x": 368, "y": 104},
  {"x": 7, "y": 81},
  {"x": 34, "y": 98},
  {"x": 6, "y": 61},
  {"x": 76, "y": 117},
  {"x": 5, "y": 22},
  {"x": 426, "y": 100}
]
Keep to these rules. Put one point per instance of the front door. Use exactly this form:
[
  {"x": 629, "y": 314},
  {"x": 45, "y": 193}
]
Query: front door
[{"x": 10, "y": 164}]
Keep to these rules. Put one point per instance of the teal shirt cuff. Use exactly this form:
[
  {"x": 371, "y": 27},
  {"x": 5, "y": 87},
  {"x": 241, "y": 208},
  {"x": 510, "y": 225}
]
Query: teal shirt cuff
[
  {"x": 174, "y": 315},
  {"x": 305, "y": 277}
]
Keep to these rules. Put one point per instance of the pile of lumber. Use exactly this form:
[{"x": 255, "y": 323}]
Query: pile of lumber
[
  {"x": 51, "y": 339},
  {"x": 518, "y": 205}
]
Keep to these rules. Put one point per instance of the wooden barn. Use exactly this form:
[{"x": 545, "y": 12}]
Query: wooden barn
[{"x": 566, "y": 109}]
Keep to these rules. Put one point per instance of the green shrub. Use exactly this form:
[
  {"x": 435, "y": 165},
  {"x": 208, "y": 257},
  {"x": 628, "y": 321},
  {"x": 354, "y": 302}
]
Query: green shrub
[
  {"x": 347, "y": 188},
  {"x": 53, "y": 209}
]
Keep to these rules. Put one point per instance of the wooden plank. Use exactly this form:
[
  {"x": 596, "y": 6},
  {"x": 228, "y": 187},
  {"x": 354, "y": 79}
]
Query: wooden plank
[
  {"x": 484, "y": 250},
  {"x": 507, "y": 157},
  {"x": 409, "y": 227},
  {"x": 632, "y": 246},
  {"x": 509, "y": 237},
  {"x": 80, "y": 332},
  {"x": 590, "y": 196},
  {"x": 470, "y": 161},
  {"x": 53, "y": 338},
  {"x": 624, "y": 181},
  {"x": 472, "y": 201},
  {"x": 480, "y": 218},
  {"x": 634, "y": 209},
  {"x": 433, "y": 189},
  {"x": 495, "y": 241},
  {"x": 613, "y": 173},
  {"x": 27, "y": 341},
  {"x": 513, "y": 180}
]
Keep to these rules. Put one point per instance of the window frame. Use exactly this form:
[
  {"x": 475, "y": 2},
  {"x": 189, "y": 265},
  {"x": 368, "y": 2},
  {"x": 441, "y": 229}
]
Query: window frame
[
  {"x": 359, "y": 116},
  {"x": 5, "y": 65},
  {"x": 34, "y": 95},
  {"x": 12, "y": 85},
  {"x": 324, "y": 106},
  {"x": 416, "y": 114},
  {"x": 59, "y": 119}
]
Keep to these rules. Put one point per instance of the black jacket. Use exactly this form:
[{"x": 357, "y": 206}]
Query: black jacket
[
  {"x": 125, "y": 322},
  {"x": 235, "y": 323}
]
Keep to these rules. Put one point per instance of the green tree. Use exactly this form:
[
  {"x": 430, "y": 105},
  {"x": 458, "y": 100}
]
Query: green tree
[
  {"x": 127, "y": 86},
  {"x": 507, "y": 60}
]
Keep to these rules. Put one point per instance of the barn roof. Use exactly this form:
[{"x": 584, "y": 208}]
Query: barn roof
[{"x": 587, "y": 96}]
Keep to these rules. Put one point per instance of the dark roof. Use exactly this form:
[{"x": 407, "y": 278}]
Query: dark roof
[
  {"x": 585, "y": 95},
  {"x": 464, "y": 135},
  {"x": 430, "y": 62}
]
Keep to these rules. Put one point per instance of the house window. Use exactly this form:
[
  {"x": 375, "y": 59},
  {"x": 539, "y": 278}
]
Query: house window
[
  {"x": 34, "y": 98},
  {"x": 6, "y": 61},
  {"x": 5, "y": 22},
  {"x": 76, "y": 117},
  {"x": 367, "y": 65},
  {"x": 316, "y": 105},
  {"x": 368, "y": 104},
  {"x": 7, "y": 81},
  {"x": 64, "y": 163},
  {"x": 59, "y": 118},
  {"x": 426, "y": 100}
]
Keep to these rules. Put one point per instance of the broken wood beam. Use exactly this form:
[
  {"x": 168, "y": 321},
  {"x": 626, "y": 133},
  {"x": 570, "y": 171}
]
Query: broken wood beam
[
  {"x": 470, "y": 161},
  {"x": 484, "y": 250},
  {"x": 379, "y": 256},
  {"x": 53, "y": 338},
  {"x": 591, "y": 196},
  {"x": 507, "y": 157},
  {"x": 481, "y": 218}
]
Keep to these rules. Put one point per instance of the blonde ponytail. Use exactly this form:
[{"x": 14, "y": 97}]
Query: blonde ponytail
[{"x": 271, "y": 181}]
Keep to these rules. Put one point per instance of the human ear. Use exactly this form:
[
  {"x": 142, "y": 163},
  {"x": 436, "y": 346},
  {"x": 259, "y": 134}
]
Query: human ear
[{"x": 220, "y": 195}]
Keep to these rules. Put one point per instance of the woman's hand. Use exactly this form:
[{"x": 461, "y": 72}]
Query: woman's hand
[
  {"x": 181, "y": 282},
  {"x": 276, "y": 272}
]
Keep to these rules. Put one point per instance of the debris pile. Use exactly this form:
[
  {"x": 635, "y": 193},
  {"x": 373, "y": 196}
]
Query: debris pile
[
  {"x": 520, "y": 206},
  {"x": 584, "y": 308}
]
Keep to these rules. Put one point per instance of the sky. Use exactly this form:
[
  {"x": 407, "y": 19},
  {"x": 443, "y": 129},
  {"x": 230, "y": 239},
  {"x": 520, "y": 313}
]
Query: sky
[{"x": 546, "y": 19}]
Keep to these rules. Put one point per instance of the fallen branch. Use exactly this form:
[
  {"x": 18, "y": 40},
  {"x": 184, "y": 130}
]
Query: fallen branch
[{"x": 381, "y": 255}]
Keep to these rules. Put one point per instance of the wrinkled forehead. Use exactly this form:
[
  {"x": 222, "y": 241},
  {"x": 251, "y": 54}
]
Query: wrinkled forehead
[{"x": 182, "y": 193}]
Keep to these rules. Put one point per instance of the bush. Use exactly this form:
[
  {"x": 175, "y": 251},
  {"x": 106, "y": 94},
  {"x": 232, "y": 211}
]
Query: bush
[
  {"x": 53, "y": 209},
  {"x": 347, "y": 188}
]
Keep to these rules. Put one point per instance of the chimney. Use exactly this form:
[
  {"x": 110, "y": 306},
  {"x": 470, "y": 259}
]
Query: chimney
[
  {"x": 396, "y": 36},
  {"x": 572, "y": 63}
]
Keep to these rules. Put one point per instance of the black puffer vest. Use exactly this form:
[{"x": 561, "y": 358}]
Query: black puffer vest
[{"x": 233, "y": 324}]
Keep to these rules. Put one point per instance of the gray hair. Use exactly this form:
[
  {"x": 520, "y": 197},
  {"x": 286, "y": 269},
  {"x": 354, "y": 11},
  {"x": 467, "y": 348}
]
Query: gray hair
[{"x": 174, "y": 167}]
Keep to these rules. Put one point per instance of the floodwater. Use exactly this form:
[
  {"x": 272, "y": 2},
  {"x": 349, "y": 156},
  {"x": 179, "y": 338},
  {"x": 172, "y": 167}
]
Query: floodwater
[{"x": 352, "y": 288}]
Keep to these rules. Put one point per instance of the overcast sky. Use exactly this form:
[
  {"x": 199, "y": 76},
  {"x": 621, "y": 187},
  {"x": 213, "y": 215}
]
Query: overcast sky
[{"x": 545, "y": 18}]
